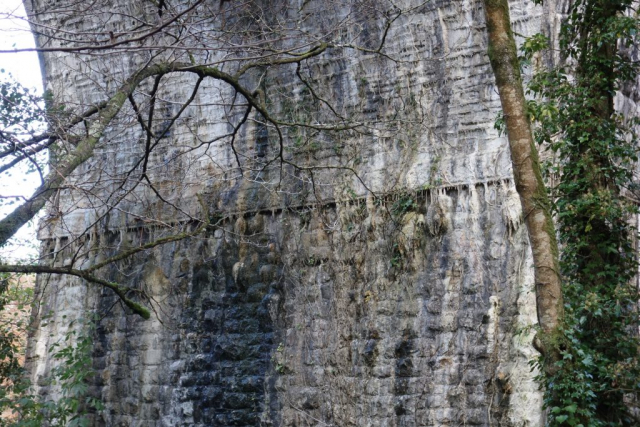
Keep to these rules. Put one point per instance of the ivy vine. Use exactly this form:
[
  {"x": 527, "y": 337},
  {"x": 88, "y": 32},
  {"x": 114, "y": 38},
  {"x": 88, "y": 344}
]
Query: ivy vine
[{"x": 596, "y": 380}]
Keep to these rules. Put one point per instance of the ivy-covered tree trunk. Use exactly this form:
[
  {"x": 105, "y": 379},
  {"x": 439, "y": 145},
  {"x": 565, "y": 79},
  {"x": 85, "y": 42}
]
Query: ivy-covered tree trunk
[
  {"x": 597, "y": 377},
  {"x": 526, "y": 169},
  {"x": 589, "y": 325}
]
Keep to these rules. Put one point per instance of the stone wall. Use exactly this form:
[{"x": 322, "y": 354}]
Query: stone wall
[{"x": 311, "y": 302}]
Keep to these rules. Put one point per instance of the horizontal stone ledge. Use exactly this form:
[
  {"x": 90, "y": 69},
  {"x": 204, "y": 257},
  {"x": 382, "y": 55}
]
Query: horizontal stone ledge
[{"x": 224, "y": 217}]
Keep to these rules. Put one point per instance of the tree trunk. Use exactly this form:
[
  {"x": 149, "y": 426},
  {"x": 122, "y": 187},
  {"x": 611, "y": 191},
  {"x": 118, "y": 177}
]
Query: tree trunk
[{"x": 526, "y": 170}]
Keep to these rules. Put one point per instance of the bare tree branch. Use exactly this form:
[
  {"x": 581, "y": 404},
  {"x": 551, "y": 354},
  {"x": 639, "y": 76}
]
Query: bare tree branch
[{"x": 119, "y": 290}]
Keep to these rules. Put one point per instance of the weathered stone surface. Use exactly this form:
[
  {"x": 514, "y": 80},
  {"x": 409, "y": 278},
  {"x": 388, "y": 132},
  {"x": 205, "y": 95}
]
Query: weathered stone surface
[{"x": 297, "y": 311}]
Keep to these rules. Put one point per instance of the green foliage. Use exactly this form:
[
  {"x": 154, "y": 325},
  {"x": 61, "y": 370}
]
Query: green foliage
[
  {"x": 396, "y": 256},
  {"x": 71, "y": 375},
  {"x": 19, "y": 109},
  {"x": 403, "y": 204},
  {"x": 532, "y": 45},
  {"x": 278, "y": 359},
  {"x": 9, "y": 340},
  {"x": 499, "y": 123},
  {"x": 598, "y": 368},
  {"x": 21, "y": 118}
]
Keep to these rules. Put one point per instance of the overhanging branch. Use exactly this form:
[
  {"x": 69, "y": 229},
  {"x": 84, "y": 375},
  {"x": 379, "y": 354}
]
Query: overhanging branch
[{"x": 119, "y": 290}]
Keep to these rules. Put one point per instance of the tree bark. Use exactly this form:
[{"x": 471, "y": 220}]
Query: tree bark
[{"x": 526, "y": 169}]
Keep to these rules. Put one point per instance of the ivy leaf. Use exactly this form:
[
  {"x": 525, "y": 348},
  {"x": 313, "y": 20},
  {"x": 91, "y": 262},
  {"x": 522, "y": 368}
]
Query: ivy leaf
[{"x": 571, "y": 408}]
